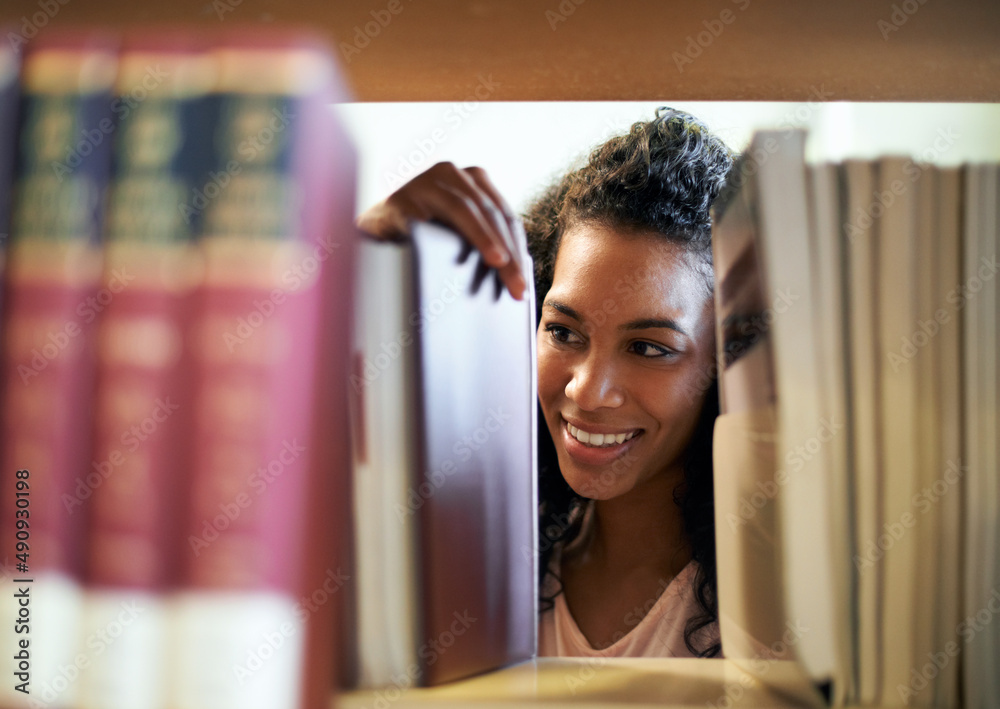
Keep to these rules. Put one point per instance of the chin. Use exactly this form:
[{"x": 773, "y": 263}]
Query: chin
[{"x": 596, "y": 484}]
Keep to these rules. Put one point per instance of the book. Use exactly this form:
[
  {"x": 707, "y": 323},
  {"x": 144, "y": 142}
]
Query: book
[
  {"x": 897, "y": 387},
  {"x": 51, "y": 304},
  {"x": 865, "y": 426},
  {"x": 901, "y": 266},
  {"x": 10, "y": 70},
  {"x": 445, "y": 466},
  {"x": 947, "y": 403},
  {"x": 976, "y": 296},
  {"x": 768, "y": 450},
  {"x": 143, "y": 412},
  {"x": 254, "y": 619},
  {"x": 828, "y": 250}
]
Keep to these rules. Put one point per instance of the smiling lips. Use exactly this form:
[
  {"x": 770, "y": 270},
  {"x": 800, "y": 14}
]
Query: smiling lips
[{"x": 599, "y": 440}]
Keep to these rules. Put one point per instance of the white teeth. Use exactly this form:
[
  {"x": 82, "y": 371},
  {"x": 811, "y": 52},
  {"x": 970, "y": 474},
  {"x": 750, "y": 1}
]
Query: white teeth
[{"x": 598, "y": 439}]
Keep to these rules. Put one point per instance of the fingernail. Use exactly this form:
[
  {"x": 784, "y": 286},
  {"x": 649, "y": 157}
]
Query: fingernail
[{"x": 498, "y": 257}]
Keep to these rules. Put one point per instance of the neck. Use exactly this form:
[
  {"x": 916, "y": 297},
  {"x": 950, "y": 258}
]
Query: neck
[{"x": 642, "y": 528}]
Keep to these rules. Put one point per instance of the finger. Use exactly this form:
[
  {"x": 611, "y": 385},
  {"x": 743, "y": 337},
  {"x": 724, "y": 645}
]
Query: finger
[
  {"x": 454, "y": 207},
  {"x": 512, "y": 274},
  {"x": 473, "y": 184}
]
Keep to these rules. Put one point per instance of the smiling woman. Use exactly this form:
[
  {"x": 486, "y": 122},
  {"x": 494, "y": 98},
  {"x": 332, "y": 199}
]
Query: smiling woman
[{"x": 626, "y": 348}]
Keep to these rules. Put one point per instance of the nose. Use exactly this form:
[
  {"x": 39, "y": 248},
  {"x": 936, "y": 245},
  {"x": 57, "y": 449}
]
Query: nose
[{"x": 593, "y": 384}]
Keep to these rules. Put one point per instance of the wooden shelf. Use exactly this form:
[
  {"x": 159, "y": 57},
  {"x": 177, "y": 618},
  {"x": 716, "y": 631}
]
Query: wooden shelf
[
  {"x": 436, "y": 50},
  {"x": 632, "y": 683}
]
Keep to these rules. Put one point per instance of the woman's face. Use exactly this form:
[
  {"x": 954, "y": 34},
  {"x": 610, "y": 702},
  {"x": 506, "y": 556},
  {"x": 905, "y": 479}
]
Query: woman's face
[{"x": 626, "y": 345}]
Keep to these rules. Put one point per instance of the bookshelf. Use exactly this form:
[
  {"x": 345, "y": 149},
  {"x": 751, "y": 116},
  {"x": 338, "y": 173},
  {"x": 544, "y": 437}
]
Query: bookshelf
[
  {"x": 433, "y": 50},
  {"x": 769, "y": 50},
  {"x": 612, "y": 682}
]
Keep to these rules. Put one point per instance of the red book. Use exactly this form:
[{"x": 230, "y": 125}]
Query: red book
[
  {"x": 143, "y": 414},
  {"x": 10, "y": 63},
  {"x": 270, "y": 456},
  {"x": 51, "y": 305}
]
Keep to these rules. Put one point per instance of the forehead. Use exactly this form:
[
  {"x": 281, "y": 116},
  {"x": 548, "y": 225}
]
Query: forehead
[{"x": 639, "y": 271}]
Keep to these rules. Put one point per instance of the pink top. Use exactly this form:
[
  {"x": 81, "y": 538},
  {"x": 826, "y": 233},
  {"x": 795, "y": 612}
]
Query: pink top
[{"x": 660, "y": 633}]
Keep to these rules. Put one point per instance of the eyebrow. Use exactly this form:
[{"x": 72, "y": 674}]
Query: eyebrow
[{"x": 641, "y": 324}]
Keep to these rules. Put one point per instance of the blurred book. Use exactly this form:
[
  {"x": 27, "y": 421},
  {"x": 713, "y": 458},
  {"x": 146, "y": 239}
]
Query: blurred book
[
  {"x": 49, "y": 325},
  {"x": 887, "y": 332},
  {"x": 10, "y": 65},
  {"x": 978, "y": 296},
  {"x": 175, "y": 370},
  {"x": 142, "y": 415},
  {"x": 445, "y": 501},
  {"x": 774, "y": 536},
  {"x": 254, "y": 615}
]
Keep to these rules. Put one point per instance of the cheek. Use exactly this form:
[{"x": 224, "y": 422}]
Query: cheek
[
  {"x": 550, "y": 375},
  {"x": 677, "y": 402}
]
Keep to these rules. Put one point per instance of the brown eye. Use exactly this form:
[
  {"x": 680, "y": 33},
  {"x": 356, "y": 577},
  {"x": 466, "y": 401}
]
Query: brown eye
[
  {"x": 560, "y": 334},
  {"x": 650, "y": 351}
]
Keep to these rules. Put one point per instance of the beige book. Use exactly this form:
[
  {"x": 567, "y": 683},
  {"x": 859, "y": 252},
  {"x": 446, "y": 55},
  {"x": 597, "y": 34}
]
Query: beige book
[
  {"x": 829, "y": 266},
  {"x": 862, "y": 241},
  {"x": 947, "y": 402},
  {"x": 897, "y": 386},
  {"x": 765, "y": 312},
  {"x": 978, "y": 297}
]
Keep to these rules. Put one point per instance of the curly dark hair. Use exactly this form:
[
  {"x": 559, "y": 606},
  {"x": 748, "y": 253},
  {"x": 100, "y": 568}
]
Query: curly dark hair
[{"x": 660, "y": 177}]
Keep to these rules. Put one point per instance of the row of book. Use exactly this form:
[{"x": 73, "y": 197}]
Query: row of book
[
  {"x": 176, "y": 308},
  {"x": 857, "y": 478},
  {"x": 197, "y": 517}
]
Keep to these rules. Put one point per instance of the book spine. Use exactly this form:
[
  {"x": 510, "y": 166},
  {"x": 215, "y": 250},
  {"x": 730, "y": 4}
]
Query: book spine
[
  {"x": 51, "y": 285},
  {"x": 10, "y": 65},
  {"x": 897, "y": 389},
  {"x": 270, "y": 353},
  {"x": 143, "y": 410}
]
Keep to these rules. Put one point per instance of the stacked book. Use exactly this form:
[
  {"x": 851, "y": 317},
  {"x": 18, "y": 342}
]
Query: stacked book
[
  {"x": 176, "y": 304},
  {"x": 857, "y": 453}
]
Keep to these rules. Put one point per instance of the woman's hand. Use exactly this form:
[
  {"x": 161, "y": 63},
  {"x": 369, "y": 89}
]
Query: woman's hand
[{"x": 467, "y": 202}]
